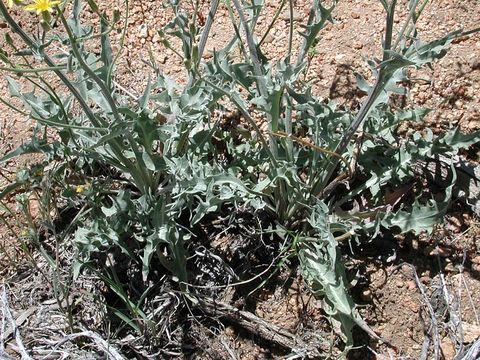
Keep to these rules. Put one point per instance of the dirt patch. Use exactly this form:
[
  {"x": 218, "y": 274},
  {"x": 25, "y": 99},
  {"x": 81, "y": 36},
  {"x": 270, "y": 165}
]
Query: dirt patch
[{"x": 393, "y": 301}]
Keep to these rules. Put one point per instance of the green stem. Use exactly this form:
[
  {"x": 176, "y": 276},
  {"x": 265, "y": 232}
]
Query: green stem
[
  {"x": 206, "y": 29},
  {"x": 247, "y": 117},
  {"x": 290, "y": 31},
  {"x": 389, "y": 30},
  {"x": 270, "y": 26},
  {"x": 121, "y": 45},
  {"x": 366, "y": 106},
  {"x": 259, "y": 75},
  {"x": 98, "y": 122},
  {"x": 28, "y": 71},
  {"x": 142, "y": 178},
  {"x": 14, "y": 108}
]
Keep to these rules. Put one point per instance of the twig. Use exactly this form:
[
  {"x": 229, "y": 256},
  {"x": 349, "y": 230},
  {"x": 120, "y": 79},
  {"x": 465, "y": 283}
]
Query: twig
[
  {"x": 434, "y": 325},
  {"x": 473, "y": 352},
  {"x": 455, "y": 322},
  {"x": 227, "y": 347},
  {"x": 425, "y": 347},
  {"x": 103, "y": 345},
  {"x": 252, "y": 323},
  {"x": 6, "y": 313},
  {"x": 469, "y": 294}
]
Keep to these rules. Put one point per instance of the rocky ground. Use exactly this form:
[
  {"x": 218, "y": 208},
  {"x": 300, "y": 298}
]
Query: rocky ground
[{"x": 396, "y": 299}]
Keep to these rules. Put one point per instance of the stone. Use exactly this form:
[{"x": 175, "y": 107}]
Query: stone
[
  {"x": 366, "y": 295},
  {"x": 448, "y": 348},
  {"x": 470, "y": 333},
  {"x": 475, "y": 64},
  {"x": 355, "y": 15},
  {"x": 269, "y": 39},
  {"x": 143, "y": 31},
  {"x": 297, "y": 15},
  {"x": 357, "y": 45}
]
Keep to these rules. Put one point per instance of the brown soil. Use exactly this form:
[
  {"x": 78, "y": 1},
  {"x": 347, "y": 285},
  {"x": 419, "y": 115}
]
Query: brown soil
[{"x": 392, "y": 304}]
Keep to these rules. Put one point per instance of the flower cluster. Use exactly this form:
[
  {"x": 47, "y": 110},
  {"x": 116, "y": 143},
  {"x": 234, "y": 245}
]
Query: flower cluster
[{"x": 40, "y": 6}]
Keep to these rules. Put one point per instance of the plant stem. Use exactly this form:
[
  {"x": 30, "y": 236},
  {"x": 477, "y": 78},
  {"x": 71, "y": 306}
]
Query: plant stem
[{"x": 206, "y": 29}]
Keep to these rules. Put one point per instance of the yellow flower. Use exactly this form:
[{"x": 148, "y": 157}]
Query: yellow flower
[
  {"x": 9, "y": 3},
  {"x": 42, "y": 5},
  {"x": 38, "y": 173},
  {"x": 80, "y": 189}
]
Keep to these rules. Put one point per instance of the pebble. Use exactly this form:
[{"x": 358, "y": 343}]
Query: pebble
[
  {"x": 450, "y": 268},
  {"x": 269, "y": 39},
  {"x": 441, "y": 251},
  {"x": 163, "y": 59},
  {"x": 357, "y": 45},
  {"x": 229, "y": 331},
  {"x": 366, "y": 295},
  {"x": 413, "y": 306},
  {"x": 475, "y": 64},
  {"x": 448, "y": 348},
  {"x": 425, "y": 280},
  {"x": 411, "y": 285},
  {"x": 415, "y": 244},
  {"x": 143, "y": 31},
  {"x": 339, "y": 57},
  {"x": 470, "y": 333},
  {"x": 297, "y": 15}
]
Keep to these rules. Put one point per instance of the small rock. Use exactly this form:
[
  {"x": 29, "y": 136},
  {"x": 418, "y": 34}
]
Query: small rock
[
  {"x": 415, "y": 244},
  {"x": 230, "y": 331},
  {"x": 429, "y": 250},
  {"x": 297, "y": 15},
  {"x": 450, "y": 268},
  {"x": 207, "y": 55},
  {"x": 470, "y": 333},
  {"x": 425, "y": 280},
  {"x": 357, "y": 45},
  {"x": 269, "y": 39},
  {"x": 339, "y": 57},
  {"x": 441, "y": 251},
  {"x": 355, "y": 15},
  {"x": 448, "y": 348},
  {"x": 143, "y": 31},
  {"x": 366, "y": 295},
  {"x": 411, "y": 285},
  {"x": 413, "y": 306},
  {"x": 293, "y": 301},
  {"x": 163, "y": 59},
  {"x": 475, "y": 64}
]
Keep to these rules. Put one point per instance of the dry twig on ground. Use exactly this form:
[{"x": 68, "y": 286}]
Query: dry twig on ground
[{"x": 7, "y": 317}]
